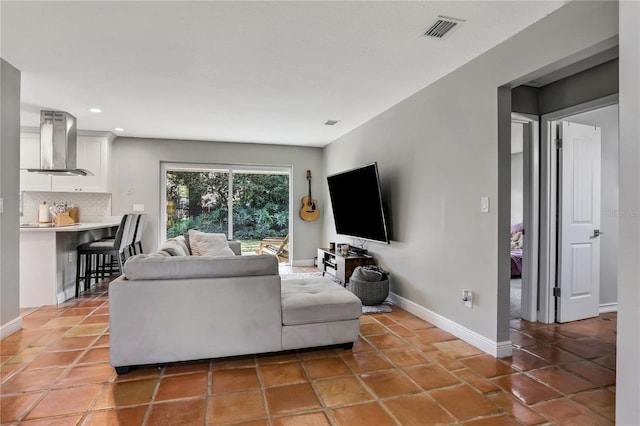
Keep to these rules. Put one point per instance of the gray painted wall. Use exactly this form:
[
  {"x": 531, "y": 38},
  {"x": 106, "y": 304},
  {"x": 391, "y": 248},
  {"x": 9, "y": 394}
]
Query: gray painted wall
[
  {"x": 607, "y": 120},
  {"x": 524, "y": 99},
  {"x": 628, "y": 349},
  {"x": 136, "y": 165},
  {"x": 594, "y": 83},
  {"x": 438, "y": 154},
  {"x": 9, "y": 184}
]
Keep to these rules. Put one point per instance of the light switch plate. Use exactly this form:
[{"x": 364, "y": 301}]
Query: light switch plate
[
  {"x": 467, "y": 298},
  {"x": 138, "y": 207},
  {"x": 484, "y": 204}
]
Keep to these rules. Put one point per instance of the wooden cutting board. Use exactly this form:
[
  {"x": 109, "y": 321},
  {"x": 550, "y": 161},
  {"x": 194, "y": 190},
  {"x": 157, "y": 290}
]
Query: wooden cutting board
[
  {"x": 74, "y": 214},
  {"x": 63, "y": 219}
]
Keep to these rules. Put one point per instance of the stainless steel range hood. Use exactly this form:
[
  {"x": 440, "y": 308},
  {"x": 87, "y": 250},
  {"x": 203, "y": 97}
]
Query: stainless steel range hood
[{"x": 58, "y": 142}]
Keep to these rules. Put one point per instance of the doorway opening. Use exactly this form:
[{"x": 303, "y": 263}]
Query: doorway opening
[
  {"x": 583, "y": 82},
  {"x": 517, "y": 221},
  {"x": 524, "y": 217}
]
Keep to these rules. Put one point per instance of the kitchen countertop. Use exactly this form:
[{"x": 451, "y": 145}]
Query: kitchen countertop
[{"x": 77, "y": 227}]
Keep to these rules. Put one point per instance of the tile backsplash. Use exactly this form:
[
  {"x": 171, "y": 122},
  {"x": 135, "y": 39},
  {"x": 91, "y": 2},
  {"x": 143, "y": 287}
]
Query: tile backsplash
[{"x": 93, "y": 206}]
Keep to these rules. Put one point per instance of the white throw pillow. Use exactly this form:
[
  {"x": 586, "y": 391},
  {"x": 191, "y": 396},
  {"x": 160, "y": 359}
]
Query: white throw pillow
[{"x": 204, "y": 244}]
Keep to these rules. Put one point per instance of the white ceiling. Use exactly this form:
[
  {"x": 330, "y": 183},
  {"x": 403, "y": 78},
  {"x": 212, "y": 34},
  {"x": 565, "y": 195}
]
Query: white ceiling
[{"x": 267, "y": 72}]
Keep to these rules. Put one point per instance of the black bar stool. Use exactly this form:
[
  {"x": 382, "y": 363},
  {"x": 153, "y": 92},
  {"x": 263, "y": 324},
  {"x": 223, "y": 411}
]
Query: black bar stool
[
  {"x": 137, "y": 239},
  {"x": 92, "y": 255}
]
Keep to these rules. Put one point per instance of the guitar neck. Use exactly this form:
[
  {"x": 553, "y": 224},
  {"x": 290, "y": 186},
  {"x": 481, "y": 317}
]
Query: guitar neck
[{"x": 309, "y": 181}]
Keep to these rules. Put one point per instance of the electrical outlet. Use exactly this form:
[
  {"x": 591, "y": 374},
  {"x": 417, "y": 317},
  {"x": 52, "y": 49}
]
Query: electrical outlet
[
  {"x": 467, "y": 298},
  {"x": 70, "y": 257},
  {"x": 138, "y": 207}
]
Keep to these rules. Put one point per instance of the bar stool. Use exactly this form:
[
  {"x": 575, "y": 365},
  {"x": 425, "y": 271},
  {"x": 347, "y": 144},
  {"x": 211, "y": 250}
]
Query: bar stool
[
  {"x": 137, "y": 239},
  {"x": 93, "y": 253},
  {"x": 129, "y": 235},
  {"x": 127, "y": 244}
]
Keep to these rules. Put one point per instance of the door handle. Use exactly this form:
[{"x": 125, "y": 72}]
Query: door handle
[{"x": 596, "y": 233}]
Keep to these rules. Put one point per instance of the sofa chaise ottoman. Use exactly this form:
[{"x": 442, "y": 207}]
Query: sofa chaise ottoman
[
  {"x": 168, "y": 308},
  {"x": 318, "y": 312}
]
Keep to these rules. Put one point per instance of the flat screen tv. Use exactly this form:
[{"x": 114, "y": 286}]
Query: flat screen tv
[{"x": 356, "y": 200}]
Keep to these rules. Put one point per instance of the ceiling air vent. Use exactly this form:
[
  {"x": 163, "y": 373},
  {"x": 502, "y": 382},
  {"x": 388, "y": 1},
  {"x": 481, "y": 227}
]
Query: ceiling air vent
[{"x": 442, "y": 27}]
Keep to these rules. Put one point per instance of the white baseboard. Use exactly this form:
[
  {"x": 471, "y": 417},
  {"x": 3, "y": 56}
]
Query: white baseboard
[
  {"x": 608, "y": 307},
  {"x": 11, "y": 327},
  {"x": 497, "y": 349},
  {"x": 303, "y": 262},
  {"x": 67, "y": 293}
]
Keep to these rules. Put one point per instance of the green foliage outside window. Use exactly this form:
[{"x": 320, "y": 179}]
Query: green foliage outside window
[{"x": 260, "y": 203}]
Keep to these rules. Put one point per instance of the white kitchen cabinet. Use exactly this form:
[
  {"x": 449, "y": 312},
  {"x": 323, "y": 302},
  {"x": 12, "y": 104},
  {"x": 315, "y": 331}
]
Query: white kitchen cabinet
[
  {"x": 30, "y": 159},
  {"x": 92, "y": 155}
]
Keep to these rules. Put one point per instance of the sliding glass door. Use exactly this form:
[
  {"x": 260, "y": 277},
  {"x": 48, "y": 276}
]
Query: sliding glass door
[
  {"x": 196, "y": 199},
  {"x": 247, "y": 203}
]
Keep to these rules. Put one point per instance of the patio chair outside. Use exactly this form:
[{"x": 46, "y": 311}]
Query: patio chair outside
[{"x": 275, "y": 246}]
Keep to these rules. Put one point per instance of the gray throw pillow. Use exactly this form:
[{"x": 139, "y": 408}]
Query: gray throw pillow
[
  {"x": 173, "y": 247},
  {"x": 186, "y": 241},
  {"x": 181, "y": 240}
]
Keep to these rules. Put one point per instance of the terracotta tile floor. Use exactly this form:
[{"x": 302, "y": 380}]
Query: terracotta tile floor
[{"x": 402, "y": 371}]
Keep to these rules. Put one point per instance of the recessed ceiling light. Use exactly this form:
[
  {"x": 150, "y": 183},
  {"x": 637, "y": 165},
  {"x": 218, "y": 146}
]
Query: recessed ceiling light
[
  {"x": 331, "y": 122},
  {"x": 119, "y": 129},
  {"x": 95, "y": 110}
]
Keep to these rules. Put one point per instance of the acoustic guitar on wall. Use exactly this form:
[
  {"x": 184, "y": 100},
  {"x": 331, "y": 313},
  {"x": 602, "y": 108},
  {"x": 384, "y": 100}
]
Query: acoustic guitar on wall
[{"x": 309, "y": 210}]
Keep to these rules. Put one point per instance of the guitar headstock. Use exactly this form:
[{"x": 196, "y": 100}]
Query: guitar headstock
[{"x": 308, "y": 174}]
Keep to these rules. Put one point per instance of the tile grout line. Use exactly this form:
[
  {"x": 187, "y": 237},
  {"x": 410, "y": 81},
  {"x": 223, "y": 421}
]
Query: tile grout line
[
  {"x": 263, "y": 392},
  {"x": 208, "y": 394},
  {"x": 325, "y": 408}
]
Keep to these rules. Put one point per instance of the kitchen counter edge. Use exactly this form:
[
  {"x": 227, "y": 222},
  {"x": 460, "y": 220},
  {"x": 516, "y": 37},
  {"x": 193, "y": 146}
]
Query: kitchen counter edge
[{"x": 73, "y": 228}]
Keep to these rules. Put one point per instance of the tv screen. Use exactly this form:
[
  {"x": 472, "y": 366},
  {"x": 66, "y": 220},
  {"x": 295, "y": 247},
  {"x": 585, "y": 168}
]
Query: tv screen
[{"x": 357, "y": 205}]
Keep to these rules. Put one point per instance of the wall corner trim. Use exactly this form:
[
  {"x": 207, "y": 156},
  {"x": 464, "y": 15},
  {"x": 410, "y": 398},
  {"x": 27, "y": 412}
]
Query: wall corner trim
[
  {"x": 11, "y": 327},
  {"x": 608, "y": 307},
  {"x": 497, "y": 349}
]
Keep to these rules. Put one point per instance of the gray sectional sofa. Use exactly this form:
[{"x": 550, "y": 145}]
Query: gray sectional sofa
[{"x": 172, "y": 306}]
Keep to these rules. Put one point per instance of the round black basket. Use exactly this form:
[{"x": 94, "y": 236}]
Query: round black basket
[{"x": 370, "y": 292}]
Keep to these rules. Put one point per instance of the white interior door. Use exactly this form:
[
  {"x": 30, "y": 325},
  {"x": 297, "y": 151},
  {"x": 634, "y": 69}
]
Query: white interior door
[{"x": 579, "y": 222}]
